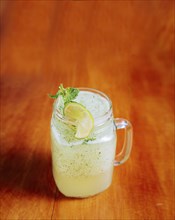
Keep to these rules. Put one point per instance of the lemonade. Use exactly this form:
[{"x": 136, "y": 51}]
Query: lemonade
[{"x": 84, "y": 166}]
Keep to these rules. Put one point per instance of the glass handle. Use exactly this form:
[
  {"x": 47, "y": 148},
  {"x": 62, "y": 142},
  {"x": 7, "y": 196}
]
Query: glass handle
[{"x": 121, "y": 123}]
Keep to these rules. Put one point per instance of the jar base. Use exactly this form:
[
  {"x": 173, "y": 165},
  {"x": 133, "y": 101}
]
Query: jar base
[{"x": 83, "y": 186}]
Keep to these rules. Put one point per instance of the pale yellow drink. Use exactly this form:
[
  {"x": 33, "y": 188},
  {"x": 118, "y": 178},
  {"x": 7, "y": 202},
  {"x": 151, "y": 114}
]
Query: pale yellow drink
[{"x": 82, "y": 168}]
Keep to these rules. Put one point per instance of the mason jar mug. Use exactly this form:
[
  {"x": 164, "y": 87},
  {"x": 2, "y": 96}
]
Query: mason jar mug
[{"x": 84, "y": 167}]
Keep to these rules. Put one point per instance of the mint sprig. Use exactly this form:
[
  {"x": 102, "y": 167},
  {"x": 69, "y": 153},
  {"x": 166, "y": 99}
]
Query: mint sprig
[{"x": 68, "y": 93}]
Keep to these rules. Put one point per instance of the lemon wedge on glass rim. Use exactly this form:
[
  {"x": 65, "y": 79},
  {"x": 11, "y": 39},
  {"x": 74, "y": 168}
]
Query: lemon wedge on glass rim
[{"x": 83, "y": 119}]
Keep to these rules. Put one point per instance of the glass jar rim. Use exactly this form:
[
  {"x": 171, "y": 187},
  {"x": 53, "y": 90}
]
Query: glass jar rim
[{"x": 99, "y": 120}]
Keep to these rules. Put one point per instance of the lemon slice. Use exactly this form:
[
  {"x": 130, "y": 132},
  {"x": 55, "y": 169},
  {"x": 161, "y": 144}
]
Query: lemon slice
[{"x": 83, "y": 119}]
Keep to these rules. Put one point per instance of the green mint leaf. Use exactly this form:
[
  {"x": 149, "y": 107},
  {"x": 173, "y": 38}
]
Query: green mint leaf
[
  {"x": 53, "y": 96},
  {"x": 86, "y": 140},
  {"x": 68, "y": 94},
  {"x": 62, "y": 90}
]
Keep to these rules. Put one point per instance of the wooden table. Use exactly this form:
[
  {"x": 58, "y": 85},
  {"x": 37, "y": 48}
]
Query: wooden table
[{"x": 123, "y": 48}]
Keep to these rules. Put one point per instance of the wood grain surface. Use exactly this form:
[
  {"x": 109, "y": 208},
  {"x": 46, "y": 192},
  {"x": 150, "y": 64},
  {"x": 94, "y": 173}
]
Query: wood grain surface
[{"x": 123, "y": 48}]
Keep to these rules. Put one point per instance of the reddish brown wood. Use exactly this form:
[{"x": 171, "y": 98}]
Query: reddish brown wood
[{"x": 123, "y": 48}]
